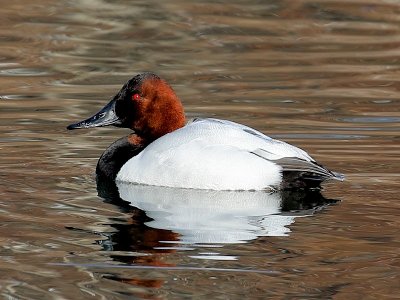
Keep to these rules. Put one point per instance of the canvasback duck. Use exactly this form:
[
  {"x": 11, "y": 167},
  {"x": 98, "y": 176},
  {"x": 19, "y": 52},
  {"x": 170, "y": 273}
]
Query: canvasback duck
[{"x": 165, "y": 150}]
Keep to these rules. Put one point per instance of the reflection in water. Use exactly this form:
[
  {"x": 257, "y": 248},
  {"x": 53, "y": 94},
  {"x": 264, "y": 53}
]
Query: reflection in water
[
  {"x": 167, "y": 218},
  {"x": 215, "y": 217}
]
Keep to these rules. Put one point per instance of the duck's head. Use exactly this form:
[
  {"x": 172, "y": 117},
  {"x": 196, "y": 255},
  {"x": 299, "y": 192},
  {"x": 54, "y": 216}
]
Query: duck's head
[{"x": 146, "y": 104}]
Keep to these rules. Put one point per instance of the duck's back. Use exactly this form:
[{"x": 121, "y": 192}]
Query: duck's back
[{"x": 219, "y": 155}]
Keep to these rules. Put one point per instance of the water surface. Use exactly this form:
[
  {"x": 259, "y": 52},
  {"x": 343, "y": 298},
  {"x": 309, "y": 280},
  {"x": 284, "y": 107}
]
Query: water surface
[{"x": 323, "y": 75}]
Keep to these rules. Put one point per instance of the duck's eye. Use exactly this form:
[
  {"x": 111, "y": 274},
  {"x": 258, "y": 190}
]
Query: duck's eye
[{"x": 136, "y": 97}]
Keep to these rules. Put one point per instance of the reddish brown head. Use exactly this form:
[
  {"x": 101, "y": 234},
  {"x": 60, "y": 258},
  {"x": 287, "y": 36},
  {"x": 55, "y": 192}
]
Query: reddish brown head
[{"x": 146, "y": 104}]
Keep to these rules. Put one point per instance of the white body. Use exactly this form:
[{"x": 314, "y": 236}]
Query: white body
[{"x": 211, "y": 154}]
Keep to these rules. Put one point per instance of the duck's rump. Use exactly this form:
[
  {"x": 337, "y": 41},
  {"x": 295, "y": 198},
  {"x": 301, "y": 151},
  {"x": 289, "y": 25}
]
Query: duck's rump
[{"x": 302, "y": 174}]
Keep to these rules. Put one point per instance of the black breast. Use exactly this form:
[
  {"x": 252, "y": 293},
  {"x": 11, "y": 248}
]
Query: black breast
[{"x": 115, "y": 156}]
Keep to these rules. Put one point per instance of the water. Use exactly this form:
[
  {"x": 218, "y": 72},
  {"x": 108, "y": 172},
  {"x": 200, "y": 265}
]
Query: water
[{"x": 322, "y": 75}]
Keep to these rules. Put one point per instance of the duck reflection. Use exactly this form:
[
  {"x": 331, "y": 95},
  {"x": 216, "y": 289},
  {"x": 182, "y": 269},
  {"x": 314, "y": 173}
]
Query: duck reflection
[
  {"x": 165, "y": 220},
  {"x": 165, "y": 217}
]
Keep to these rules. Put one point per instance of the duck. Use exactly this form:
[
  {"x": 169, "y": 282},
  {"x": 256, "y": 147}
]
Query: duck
[{"x": 165, "y": 149}]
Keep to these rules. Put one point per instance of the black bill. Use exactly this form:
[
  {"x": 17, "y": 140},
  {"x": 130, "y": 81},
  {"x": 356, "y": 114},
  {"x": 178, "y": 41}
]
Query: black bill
[{"x": 106, "y": 116}]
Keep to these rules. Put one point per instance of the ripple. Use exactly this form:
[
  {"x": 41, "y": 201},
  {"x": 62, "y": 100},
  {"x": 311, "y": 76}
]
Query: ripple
[
  {"x": 177, "y": 268},
  {"x": 20, "y": 97},
  {"x": 24, "y": 72},
  {"x": 380, "y": 119}
]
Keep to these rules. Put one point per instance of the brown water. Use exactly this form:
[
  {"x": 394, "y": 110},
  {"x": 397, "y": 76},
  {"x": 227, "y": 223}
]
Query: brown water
[{"x": 323, "y": 75}]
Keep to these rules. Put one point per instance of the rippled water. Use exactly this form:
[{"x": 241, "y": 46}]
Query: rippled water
[{"x": 323, "y": 75}]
